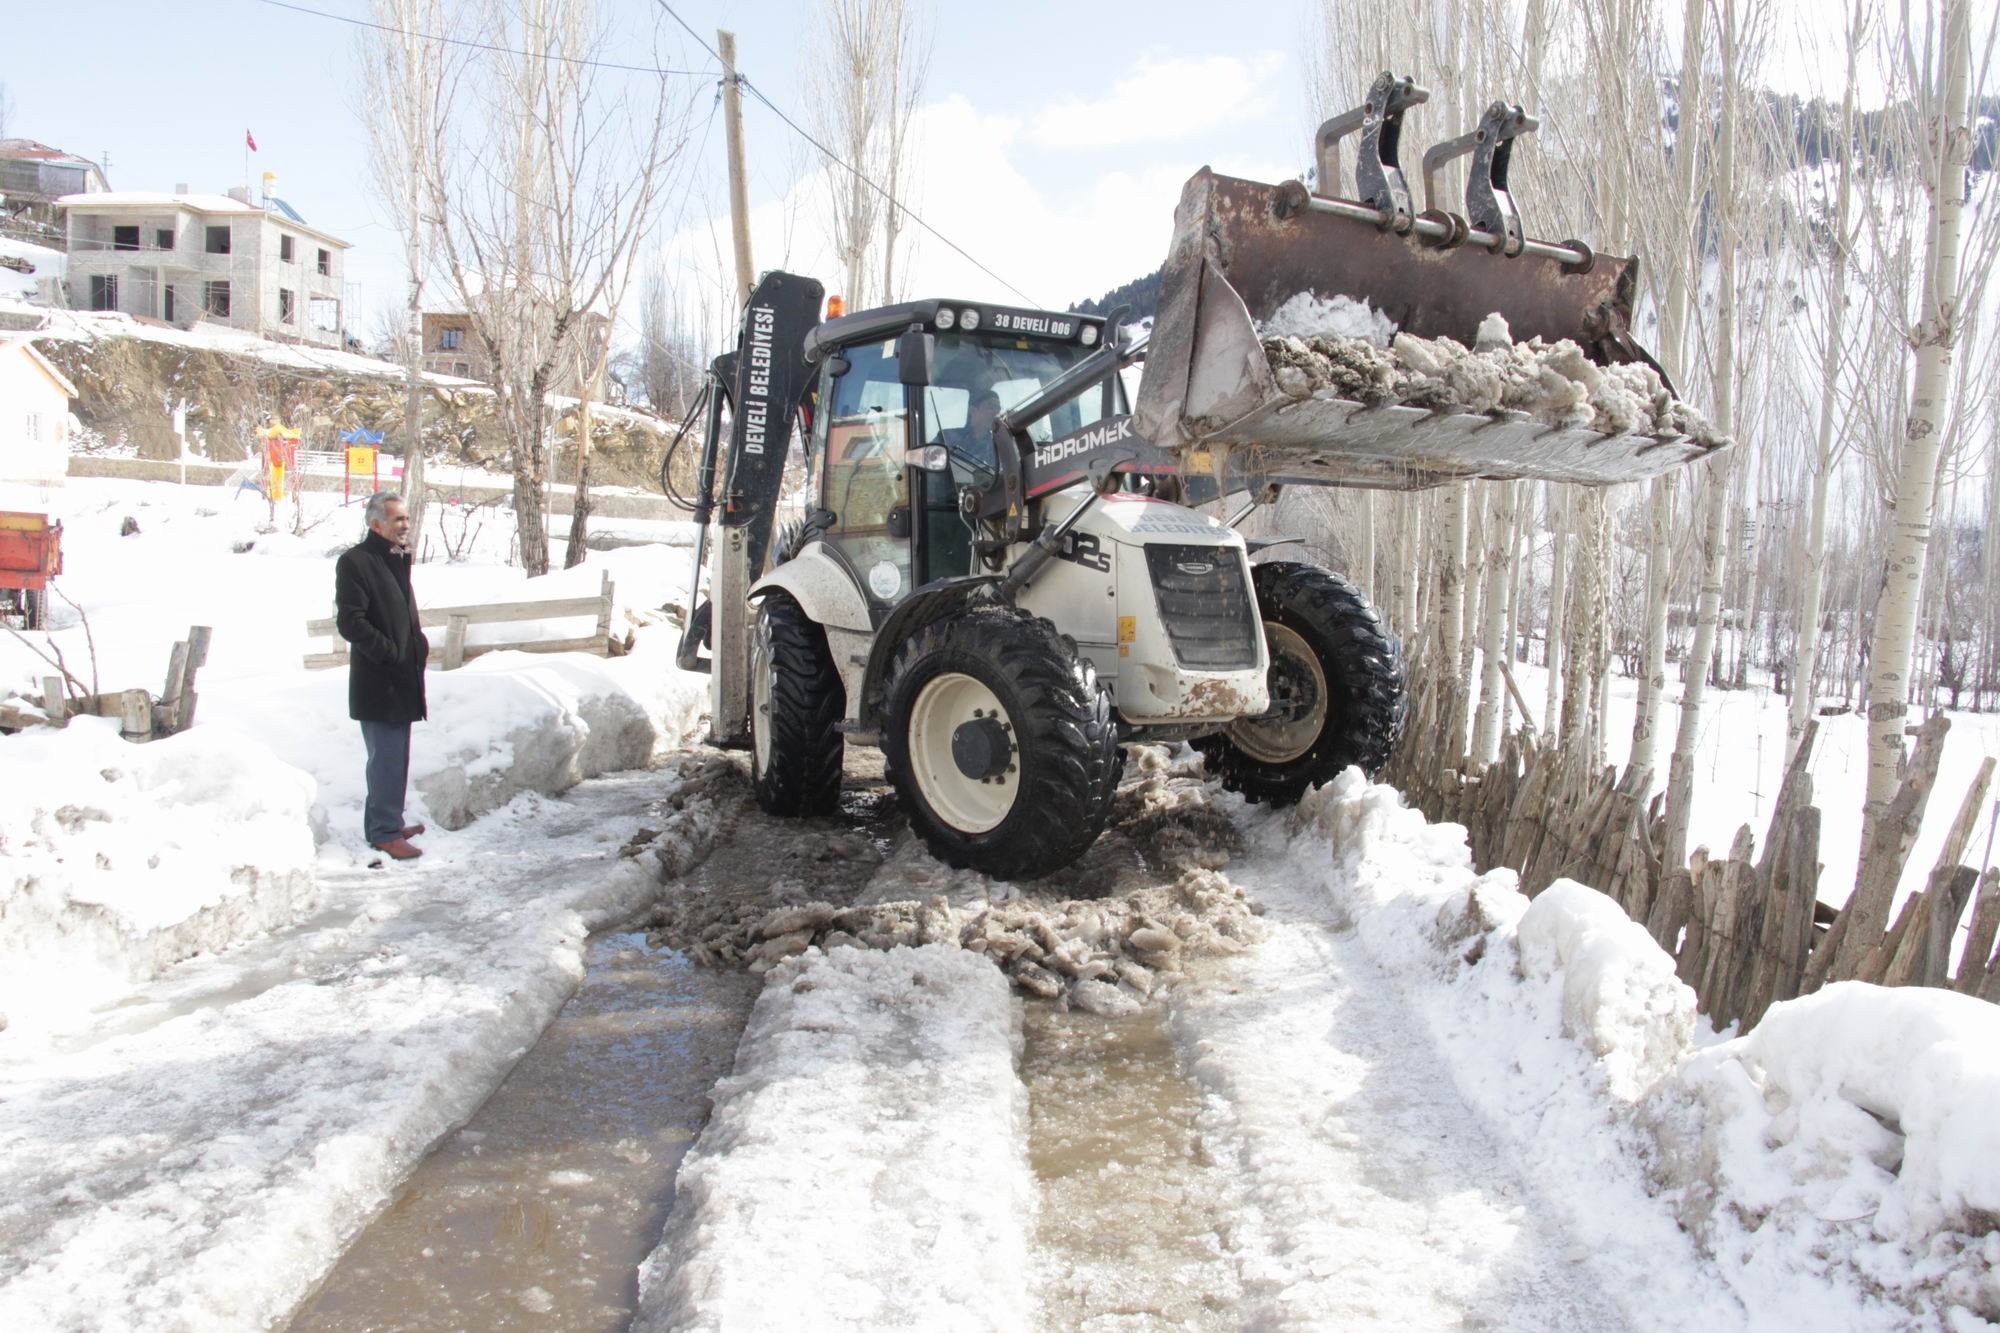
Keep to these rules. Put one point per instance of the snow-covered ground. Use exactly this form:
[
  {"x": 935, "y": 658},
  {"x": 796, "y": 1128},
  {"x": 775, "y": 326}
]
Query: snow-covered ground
[
  {"x": 1436, "y": 1103},
  {"x": 198, "y": 1155},
  {"x": 46, "y": 263},
  {"x": 121, "y": 860}
]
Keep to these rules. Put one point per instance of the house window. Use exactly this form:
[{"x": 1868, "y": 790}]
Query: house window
[
  {"x": 125, "y": 238},
  {"x": 163, "y": 238},
  {"x": 285, "y": 315},
  {"x": 450, "y": 340},
  {"x": 215, "y": 299},
  {"x": 284, "y": 249},
  {"x": 326, "y": 262},
  {"x": 218, "y": 240},
  {"x": 167, "y": 303},
  {"x": 461, "y": 369},
  {"x": 104, "y": 291}
]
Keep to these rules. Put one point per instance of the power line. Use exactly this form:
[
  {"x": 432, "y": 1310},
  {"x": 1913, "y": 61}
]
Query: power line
[
  {"x": 837, "y": 160},
  {"x": 478, "y": 46}
]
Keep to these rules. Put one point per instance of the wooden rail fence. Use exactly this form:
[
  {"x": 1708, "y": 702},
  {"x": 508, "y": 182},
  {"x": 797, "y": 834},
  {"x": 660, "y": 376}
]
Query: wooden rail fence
[
  {"x": 453, "y": 651},
  {"x": 1745, "y": 930}
]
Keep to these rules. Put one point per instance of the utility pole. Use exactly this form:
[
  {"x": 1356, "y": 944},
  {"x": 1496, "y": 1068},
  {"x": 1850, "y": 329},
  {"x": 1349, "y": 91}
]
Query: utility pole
[{"x": 739, "y": 192}]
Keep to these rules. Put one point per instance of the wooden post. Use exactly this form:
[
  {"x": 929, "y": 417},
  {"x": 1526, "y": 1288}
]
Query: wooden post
[
  {"x": 604, "y": 615},
  {"x": 1985, "y": 924},
  {"x": 454, "y": 641},
  {"x": 197, "y": 656},
  {"x": 170, "y": 694},
  {"x": 739, "y": 189},
  {"x": 54, "y": 702},
  {"x": 135, "y": 715}
]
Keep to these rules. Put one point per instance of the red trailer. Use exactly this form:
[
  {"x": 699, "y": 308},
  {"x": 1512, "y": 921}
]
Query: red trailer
[{"x": 30, "y": 555}]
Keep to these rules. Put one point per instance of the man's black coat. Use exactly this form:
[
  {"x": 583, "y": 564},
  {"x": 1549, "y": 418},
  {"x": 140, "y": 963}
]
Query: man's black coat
[{"x": 376, "y": 613}]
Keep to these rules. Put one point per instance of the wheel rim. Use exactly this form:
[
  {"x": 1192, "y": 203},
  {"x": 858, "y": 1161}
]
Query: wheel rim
[
  {"x": 1282, "y": 738},
  {"x": 968, "y": 804},
  {"x": 760, "y": 698}
]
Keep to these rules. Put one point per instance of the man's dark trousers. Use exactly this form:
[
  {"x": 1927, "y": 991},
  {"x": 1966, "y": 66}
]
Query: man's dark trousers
[{"x": 388, "y": 778}]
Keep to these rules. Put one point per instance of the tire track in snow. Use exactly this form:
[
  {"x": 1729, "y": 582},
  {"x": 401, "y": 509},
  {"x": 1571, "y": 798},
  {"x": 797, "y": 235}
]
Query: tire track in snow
[{"x": 1375, "y": 1197}]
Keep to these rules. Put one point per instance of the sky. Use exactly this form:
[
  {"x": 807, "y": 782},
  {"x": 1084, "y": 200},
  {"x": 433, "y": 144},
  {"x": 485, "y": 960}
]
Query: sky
[{"x": 1053, "y": 141}]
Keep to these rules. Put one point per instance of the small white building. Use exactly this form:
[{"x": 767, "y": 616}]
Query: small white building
[
  {"x": 34, "y": 424},
  {"x": 214, "y": 258}
]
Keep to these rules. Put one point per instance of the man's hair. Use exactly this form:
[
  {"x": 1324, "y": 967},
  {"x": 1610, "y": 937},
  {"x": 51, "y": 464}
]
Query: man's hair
[
  {"x": 377, "y": 507},
  {"x": 983, "y": 395}
]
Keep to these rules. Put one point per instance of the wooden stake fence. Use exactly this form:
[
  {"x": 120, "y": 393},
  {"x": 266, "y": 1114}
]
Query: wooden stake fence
[{"x": 1745, "y": 931}]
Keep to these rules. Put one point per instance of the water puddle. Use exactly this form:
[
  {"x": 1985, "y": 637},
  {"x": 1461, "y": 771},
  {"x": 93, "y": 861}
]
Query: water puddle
[
  {"x": 1136, "y": 1217},
  {"x": 537, "y": 1213}
]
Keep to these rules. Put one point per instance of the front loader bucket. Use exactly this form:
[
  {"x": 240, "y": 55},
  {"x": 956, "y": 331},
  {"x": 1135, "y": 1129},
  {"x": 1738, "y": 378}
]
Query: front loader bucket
[{"x": 1242, "y": 249}]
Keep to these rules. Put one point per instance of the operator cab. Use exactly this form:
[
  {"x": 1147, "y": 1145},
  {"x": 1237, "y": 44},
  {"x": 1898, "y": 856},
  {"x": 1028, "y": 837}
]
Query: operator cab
[{"x": 890, "y": 428}]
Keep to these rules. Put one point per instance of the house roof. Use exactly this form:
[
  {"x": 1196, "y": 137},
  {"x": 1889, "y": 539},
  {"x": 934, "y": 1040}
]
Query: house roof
[
  {"x": 46, "y": 366},
  {"x": 27, "y": 150},
  {"x": 153, "y": 201}
]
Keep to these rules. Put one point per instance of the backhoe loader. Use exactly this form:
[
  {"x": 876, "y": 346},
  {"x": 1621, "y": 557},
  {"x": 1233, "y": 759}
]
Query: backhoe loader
[{"x": 1006, "y": 572}]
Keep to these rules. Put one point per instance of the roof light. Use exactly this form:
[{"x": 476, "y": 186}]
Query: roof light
[
  {"x": 968, "y": 319},
  {"x": 946, "y": 317},
  {"x": 1089, "y": 335},
  {"x": 836, "y": 306}
]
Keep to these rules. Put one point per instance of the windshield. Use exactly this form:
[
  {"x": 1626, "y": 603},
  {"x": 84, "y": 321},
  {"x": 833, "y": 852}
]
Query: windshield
[{"x": 973, "y": 379}]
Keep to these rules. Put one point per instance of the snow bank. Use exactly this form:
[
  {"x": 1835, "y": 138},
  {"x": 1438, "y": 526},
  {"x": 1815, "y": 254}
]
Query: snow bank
[
  {"x": 41, "y": 262},
  {"x": 1621, "y": 997},
  {"x": 1842, "y": 1161},
  {"x": 118, "y": 860},
  {"x": 1856, "y": 1130},
  {"x": 865, "y": 1166}
]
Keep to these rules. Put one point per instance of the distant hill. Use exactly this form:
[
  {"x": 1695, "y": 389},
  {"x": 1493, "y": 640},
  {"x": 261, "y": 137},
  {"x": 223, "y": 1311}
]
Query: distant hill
[{"x": 1142, "y": 294}]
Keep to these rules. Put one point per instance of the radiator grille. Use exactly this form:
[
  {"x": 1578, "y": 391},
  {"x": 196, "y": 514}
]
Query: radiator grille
[{"x": 1205, "y": 602}]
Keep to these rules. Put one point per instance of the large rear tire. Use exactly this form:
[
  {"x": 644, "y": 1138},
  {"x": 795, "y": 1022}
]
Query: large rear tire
[
  {"x": 1000, "y": 743},
  {"x": 35, "y": 608},
  {"x": 1336, "y": 689},
  {"x": 796, "y": 703}
]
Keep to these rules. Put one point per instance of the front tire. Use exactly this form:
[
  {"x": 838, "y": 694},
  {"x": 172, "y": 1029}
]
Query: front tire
[
  {"x": 796, "y": 703},
  {"x": 1000, "y": 743},
  {"x": 1337, "y": 689}
]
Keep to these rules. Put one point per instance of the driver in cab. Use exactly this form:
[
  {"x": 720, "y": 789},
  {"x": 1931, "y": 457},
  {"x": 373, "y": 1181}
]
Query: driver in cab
[{"x": 973, "y": 442}]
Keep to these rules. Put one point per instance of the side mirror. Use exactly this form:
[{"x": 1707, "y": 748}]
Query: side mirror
[
  {"x": 915, "y": 350},
  {"x": 838, "y": 365},
  {"x": 932, "y": 458}
]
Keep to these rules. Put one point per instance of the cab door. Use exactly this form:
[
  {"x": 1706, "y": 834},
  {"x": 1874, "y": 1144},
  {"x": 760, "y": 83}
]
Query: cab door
[{"x": 865, "y": 472}]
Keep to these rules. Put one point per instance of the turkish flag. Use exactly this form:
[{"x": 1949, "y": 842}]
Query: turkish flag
[{"x": 249, "y": 140}]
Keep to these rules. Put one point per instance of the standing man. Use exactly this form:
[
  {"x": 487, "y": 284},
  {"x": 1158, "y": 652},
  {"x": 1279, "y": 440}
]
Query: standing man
[{"x": 376, "y": 612}]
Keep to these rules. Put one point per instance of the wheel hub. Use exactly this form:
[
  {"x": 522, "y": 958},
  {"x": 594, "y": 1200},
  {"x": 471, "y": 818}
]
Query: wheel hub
[
  {"x": 981, "y": 748},
  {"x": 1299, "y": 702}
]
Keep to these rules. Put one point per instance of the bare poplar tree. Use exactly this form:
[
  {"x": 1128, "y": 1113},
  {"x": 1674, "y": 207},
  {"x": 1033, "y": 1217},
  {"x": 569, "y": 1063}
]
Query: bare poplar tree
[
  {"x": 1715, "y": 500},
  {"x": 406, "y": 80},
  {"x": 866, "y": 68},
  {"x": 542, "y": 183}
]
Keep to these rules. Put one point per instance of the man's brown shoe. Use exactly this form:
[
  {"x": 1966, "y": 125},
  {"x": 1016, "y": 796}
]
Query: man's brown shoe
[
  {"x": 399, "y": 848},
  {"x": 415, "y": 830}
]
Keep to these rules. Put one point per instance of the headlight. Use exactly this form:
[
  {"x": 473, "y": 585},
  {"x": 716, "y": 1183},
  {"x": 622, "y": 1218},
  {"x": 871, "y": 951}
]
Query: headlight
[
  {"x": 947, "y": 317},
  {"x": 1089, "y": 335},
  {"x": 968, "y": 319}
]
